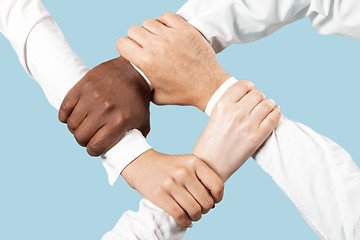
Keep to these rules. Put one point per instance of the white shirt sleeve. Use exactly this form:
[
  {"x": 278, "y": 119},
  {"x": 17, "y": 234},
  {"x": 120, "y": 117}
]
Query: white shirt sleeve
[
  {"x": 150, "y": 222},
  {"x": 241, "y": 21},
  {"x": 318, "y": 176},
  {"x": 47, "y": 57}
]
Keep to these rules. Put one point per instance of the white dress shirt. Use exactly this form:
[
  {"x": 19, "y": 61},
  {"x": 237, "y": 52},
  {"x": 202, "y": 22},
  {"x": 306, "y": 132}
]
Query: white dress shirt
[
  {"x": 47, "y": 57},
  {"x": 318, "y": 176}
]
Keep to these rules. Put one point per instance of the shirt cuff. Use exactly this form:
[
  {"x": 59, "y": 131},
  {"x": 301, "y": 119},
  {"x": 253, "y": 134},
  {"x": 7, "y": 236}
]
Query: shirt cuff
[
  {"x": 218, "y": 94},
  {"x": 131, "y": 146},
  {"x": 143, "y": 75}
]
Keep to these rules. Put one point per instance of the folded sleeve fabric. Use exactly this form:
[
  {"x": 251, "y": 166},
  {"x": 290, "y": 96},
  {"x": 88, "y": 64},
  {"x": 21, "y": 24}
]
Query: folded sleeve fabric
[
  {"x": 47, "y": 57},
  {"x": 332, "y": 176},
  {"x": 241, "y": 21},
  {"x": 317, "y": 175},
  {"x": 150, "y": 223}
]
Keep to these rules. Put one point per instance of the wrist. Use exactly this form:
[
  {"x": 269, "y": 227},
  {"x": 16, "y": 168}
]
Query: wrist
[
  {"x": 202, "y": 99},
  {"x": 126, "y": 67},
  {"x": 132, "y": 171}
]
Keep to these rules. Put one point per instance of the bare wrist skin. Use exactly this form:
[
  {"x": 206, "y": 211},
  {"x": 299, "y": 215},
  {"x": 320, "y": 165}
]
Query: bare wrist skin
[
  {"x": 130, "y": 171},
  {"x": 202, "y": 98}
]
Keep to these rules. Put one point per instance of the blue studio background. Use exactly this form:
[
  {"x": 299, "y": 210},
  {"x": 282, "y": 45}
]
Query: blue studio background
[{"x": 50, "y": 188}]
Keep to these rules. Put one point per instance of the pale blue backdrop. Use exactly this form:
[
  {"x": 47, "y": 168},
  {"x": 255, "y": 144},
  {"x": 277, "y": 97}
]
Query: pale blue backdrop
[{"x": 51, "y": 189}]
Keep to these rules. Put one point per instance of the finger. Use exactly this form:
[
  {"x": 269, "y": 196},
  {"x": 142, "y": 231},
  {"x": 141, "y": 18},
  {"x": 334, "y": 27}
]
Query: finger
[
  {"x": 68, "y": 105},
  {"x": 259, "y": 113},
  {"x": 211, "y": 181},
  {"x": 201, "y": 195},
  {"x": 237, "y": 91},
  {"x": 139, "y": 34},
  {"x": 187, "y": 202},
  {"x": 250, "y": 101},
  {"x": 87, "y": 130},
  {"x": 172, "y": 20},
  {"x": 270, "y": 122},
  {"x": 104, "y": 139},
  {"x": 169, "y": 205},
  {"x": 154, "y": 26},
  {"x": 77, "y": 117},
  {"x": 129, "y": 49}
]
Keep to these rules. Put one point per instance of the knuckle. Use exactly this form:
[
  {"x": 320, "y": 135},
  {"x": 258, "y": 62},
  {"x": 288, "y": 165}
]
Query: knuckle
[
  {"x": 158, "y": 191},
  {"x": 167, "y": 15},
  {"x": 95, "y": 148},
  {"x": 177, "y": 213},
  {"x": 80, "y": 138},
  {"x": 268, "y": 104},
  {"x": 257, "y": 93},
  {"x": 95, "y": 93},
  {"x": 147, "y": 59},
  {"x": 237, "y": 114},
  {"x": 64, "y": 105},
  {"x": 121, "y": 120},
  {"x": 273, "y": 120},
  {"x": 209, "y": 203},
  {"x": 181, "y": 173},
  {"x": 218, "y": 187},
  {"x": 195, "y": 210},
  {"x": 120, "y": 42},
  {"x": 148, "y": 22},
  {"x": 168, "y": 184},
  {"x": 192, "y": 160},
  {"x": 71, "y": 124},
  {"x": 247, "y": 84},
  {"x": 132, "y": 30},
  {"x": 107, "y": 106}
]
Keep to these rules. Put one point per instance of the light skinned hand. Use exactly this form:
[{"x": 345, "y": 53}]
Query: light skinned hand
[
  {"x": 240, "y": 123},
  {"x": 182, "y": 185},
  {"x": 177, "y": 59}
]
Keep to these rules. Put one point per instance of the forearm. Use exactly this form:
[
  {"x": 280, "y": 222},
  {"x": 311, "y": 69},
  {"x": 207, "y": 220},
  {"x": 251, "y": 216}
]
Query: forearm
[
  {"x": 17, "y": 19},
  {"x": 41, "y": 47},
  {"x": 51, "y": 61},
  {"x": 240, "y": 21},
  {"x": 48, "y": 58},
  {"x": 315, "y": 173},
  {"x": 58, "y": 72}
]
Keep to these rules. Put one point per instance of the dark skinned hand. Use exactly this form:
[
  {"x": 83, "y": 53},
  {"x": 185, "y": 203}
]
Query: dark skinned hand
[{"x": 109, "y": 100}]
